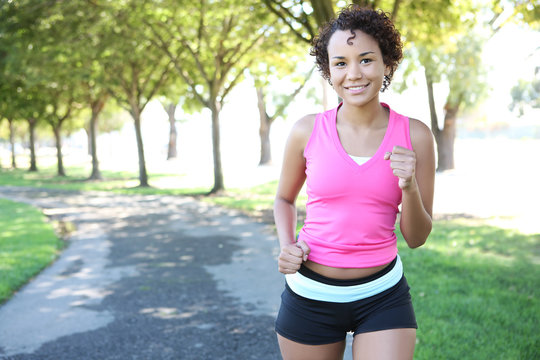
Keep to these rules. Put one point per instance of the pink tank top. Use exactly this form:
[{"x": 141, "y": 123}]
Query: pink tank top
[{"x": 351, "y": 209}]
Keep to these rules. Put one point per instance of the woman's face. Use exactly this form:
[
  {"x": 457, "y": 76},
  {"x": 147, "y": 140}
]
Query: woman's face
[{"x": 356, "y": 66}]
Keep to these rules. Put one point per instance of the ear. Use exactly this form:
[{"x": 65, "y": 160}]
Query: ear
[{"x": 387, "y": 70}]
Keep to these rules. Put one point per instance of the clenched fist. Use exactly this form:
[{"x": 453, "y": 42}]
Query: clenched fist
[
  {"x": 403, "y": 164},
  {"x": 291, "y": 257}
]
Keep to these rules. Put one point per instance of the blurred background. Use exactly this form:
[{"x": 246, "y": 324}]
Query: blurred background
[{"x": 207, "y": 91}]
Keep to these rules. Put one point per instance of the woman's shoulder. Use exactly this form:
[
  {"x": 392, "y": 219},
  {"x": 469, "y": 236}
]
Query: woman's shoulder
[
  {"x": 420, "y": 133},
  {"x": 301, "y": 132},
  {"x": 303, "y": 127}
]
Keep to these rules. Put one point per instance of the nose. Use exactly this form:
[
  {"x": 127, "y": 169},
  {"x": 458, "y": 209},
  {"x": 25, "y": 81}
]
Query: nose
[{"x": 354, "y": 72}]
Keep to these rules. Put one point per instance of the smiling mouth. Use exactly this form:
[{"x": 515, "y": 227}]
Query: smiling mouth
[{"x": 358, "y": 87}]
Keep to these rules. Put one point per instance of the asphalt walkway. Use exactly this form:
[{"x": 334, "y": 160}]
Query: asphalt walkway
[{"x": 146, "y": 277}]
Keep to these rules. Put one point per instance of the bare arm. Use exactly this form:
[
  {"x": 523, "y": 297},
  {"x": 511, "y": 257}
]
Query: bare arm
[
  {"x": 290, "y": 183},
  {"x": 416, "y": 172}
]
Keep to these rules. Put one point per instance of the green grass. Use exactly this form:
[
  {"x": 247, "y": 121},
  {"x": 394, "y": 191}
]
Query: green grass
[
  {"x": 116, "y": 181},
  {"x": 28, "y": 243},
  {"x": 475, "y": 291},
  {"x": 474, "y": 286}
]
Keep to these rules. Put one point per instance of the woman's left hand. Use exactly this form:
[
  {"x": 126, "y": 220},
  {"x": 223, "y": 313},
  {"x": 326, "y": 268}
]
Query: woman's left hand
[{"x": 403, "y": 164}]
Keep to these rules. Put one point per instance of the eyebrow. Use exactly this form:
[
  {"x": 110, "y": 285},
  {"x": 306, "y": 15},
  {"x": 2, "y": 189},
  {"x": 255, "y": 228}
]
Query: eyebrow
[{"x": 361, "y": 55}]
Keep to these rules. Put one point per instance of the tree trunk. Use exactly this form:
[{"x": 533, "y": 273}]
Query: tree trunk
[
  {"x": 324, "y": 85},
  {"x": 96, "y": 174},
  {"x": 97, "y": 106},
  {"x": 366, "y": 3},
  {"x": 58, "y": 141},
  {"x": 444, "y": 138},
  {"x": 216, "y": 150},
  {"x": 12, "y": 144},
  {"x": 172, "y": 152},
  {"x": 395, "y": 9},
  {"x": 264, "y": 129},
  {"x": 445, "y": 145},
  {"x": 88, "y": 140},
  {"x": 323, "y": 10},
  {"x": 32, "y": 128},
  {"x": 143, "y": 175}
]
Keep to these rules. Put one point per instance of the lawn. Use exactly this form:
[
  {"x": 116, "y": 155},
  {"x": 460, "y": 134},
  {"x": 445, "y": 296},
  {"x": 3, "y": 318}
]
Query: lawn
[
  {"x": 28, "y": 244},
  {"x": 474, "y": 286},
  {"x": 475, "y": 291}
]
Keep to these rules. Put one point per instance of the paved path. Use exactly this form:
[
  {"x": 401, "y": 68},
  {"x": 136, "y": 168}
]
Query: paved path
[{"x": 146, "y": 277}]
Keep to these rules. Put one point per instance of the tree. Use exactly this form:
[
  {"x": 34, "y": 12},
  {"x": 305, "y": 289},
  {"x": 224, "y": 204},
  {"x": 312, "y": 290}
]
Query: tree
[
  {"x": 451, "y": 52},
  {"x": 15, "y": 41},
  {"x": 8, "y": 112},
  {"x": 89, "y": 46},
  {"x": 40, "y": 67},
  {"x": 210, "y": 45},
  {"x": 176, "y": 95},
  {"x": 448, "y": 48},
  {"x": 526, "y": 93},
  {"x": 135, "y": 73},
  {"x": 170, "y": 108},
  {"x": 280, "y": 102}
]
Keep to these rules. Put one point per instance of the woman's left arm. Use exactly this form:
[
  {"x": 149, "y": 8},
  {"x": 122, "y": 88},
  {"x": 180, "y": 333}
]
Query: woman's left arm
[{"x": 416, "y": 172}]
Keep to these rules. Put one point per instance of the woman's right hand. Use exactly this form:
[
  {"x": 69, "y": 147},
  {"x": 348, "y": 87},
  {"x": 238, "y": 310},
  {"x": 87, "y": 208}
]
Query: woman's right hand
[{"x": 291, "y": 257}]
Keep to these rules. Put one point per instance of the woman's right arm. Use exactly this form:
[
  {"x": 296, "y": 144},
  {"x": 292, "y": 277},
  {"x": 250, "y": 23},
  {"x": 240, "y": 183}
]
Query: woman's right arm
[{"x": 292, "y": 179}]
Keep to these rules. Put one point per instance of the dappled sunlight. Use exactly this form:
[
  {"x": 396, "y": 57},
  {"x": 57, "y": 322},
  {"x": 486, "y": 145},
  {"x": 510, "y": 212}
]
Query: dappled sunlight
[
  {"x": 478, "y": 240},
  {"x": 166, "y": 313},
  {"x": 186, "y": 258},
  {"x": 166, "y": 264},
  {"x": 86, "y": 293}
]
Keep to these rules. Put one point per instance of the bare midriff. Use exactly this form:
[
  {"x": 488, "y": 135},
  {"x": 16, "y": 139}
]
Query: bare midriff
[{"x": 343, "y": 273}]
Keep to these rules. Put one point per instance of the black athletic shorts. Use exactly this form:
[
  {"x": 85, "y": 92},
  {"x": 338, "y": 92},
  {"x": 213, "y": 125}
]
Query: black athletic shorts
[{"x": 316, "y": 322}]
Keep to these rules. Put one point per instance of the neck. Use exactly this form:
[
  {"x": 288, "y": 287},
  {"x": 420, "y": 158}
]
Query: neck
[{"x": 366, "y": 115}]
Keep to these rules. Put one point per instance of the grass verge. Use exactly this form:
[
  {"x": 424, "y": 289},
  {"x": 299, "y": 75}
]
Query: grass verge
[
  {"x": 28, "y": 243},
  {"x": 77, "y": 180}
]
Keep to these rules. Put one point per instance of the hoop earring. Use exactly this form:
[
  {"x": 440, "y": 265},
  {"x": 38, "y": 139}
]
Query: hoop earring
[{"x": 385, "y": 83}]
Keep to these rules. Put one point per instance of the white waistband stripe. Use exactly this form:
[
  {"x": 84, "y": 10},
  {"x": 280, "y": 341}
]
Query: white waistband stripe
[{"x": 315, "y": 290}]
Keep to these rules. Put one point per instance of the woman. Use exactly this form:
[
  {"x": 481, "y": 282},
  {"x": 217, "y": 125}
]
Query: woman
[{"x": 359, "y": 161}]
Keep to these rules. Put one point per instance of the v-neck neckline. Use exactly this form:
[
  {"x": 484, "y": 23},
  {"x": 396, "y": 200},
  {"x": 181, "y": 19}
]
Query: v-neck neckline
[{"x": 378, "y": 154}]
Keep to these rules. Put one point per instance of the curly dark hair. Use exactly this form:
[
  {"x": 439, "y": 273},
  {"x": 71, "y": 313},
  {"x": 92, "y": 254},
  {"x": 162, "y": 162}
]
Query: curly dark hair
[{"x": 372, "y": 22}]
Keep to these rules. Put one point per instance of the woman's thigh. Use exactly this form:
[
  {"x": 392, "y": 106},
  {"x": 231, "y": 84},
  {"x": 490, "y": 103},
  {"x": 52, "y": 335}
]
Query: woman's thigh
[
  {"x": 394, "y": 344},
  {"x": 291, "y": 350}
]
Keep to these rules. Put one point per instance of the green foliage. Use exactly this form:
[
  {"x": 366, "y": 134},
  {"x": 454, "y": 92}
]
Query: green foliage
[
  {"x": 133, "y": 71},
  {"x": 526, "y": 94},
  {"x": 529, "y": 12},
  {"x": 27, "y": 245},
  {"x": 446, "y": 39},
  {"x": 210, "y": 43}
]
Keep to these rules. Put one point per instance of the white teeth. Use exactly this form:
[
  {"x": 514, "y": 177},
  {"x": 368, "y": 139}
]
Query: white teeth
[{"x": 357, "y": 87}]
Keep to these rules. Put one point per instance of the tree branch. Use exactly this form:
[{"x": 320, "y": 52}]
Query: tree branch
[
  {"x": 269, "y": 5},
  {"x": 158, "y": 84},
  {"x": 281, "y": 108}
]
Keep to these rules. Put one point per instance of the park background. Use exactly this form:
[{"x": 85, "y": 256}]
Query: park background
[{"x": 485, "y": 204}]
